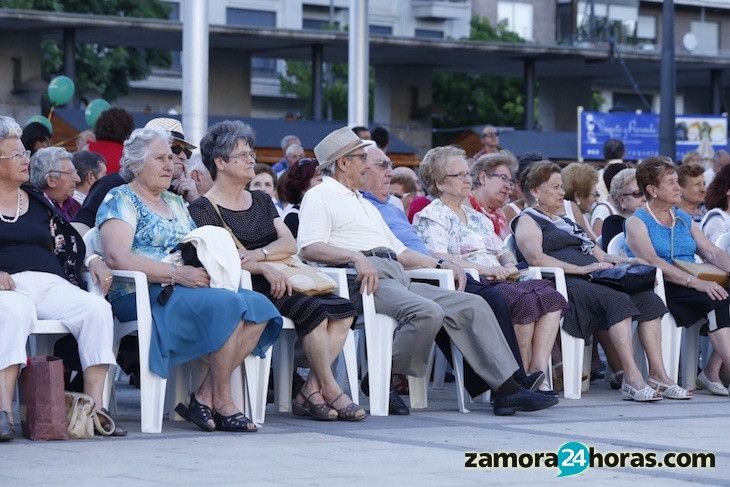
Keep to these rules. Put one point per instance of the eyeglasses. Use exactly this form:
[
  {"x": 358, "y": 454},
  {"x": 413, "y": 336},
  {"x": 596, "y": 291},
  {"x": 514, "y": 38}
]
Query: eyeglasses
[
  {"x": 70, "y": 173},
  {"x": 384, "y": 164},
  {"x": 362, "y": 157},
  {"x": 459, "y": 175},
  {"x": 491, "y": 134},
  {"x": 635, "y": 194},
  {"x": 18, "y": 155},
  {"x": 250, "y": 155},
  {"x": 505, "y": 179},
  {"x": 177, "y": 149}
]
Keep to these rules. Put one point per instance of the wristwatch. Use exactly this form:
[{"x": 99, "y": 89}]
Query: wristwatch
[{"x": 265, "y": 252}]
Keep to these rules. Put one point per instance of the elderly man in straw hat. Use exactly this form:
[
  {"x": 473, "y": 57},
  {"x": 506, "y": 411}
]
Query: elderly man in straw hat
[{"x": 338, "y": 226}]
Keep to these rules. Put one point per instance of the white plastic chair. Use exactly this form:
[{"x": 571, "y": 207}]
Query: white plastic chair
[
  {"x": 723, "y": 242},
  {"x": 576, "y": 355},
  {"x": 283, "y": 354}
]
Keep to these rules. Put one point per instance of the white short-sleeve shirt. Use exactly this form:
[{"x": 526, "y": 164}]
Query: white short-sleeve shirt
[{"x": 334, "y": 214}]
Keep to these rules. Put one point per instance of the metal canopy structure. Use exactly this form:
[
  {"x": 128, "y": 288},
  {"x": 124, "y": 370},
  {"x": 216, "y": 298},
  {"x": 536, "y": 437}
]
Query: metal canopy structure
[{"x": 588, "y": 61}]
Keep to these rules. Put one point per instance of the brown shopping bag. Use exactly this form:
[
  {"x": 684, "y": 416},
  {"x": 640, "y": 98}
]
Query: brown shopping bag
[{"x": 42, "y": 402}]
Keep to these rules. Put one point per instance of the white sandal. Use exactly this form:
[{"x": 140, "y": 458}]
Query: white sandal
[
  {"x": 715, "y": 388},
  {"x": 669, "y": 391},
  {"x": 647, "y": 394}
]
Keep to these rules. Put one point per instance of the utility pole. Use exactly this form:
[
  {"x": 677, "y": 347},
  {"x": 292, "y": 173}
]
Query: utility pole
[
  {"x": 667, "y": 135},
  {"x": 358, "y": 59}
]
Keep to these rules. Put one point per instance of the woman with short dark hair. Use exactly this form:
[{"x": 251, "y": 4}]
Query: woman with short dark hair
[
  {"x": 663, "y": 235},
  {"x": 692, "y": 181}
]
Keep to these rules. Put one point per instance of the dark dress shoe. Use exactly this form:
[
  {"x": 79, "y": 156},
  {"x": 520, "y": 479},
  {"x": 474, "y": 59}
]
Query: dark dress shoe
[
  {"x": 522, "y": 400},
  {"x": 396, "y": 405},
  {"x": 7, "y": 429}
]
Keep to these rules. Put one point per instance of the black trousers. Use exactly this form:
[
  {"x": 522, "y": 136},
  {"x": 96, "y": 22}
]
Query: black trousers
[{"x": 474, "y": 384}]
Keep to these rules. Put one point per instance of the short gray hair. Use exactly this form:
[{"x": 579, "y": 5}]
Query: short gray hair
[
  {"x": 221, "y": 140},
  {"x": 618, "y": 185},
  {"x": 433, "y": 167},
  {"x": 136, "y": 150},
  {"x": 9, "y": 128},
  {"x": 45, "y": 161},
  {"x": 288, "y": 140},
  {"x": 294, "y": 148},
  {"x": 195, "y": 163},
  {"x": 328, "y": 170}
]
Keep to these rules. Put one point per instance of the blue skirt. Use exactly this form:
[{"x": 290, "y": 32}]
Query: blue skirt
[{"x": 198, "y": 321}]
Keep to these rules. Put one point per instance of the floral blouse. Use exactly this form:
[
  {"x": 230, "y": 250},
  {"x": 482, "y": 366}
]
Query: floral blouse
[
  {"x": 154, "y": 235},
  {"x": 475, "y": 241}
]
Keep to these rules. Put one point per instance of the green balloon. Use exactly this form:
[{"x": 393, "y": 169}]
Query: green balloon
[
  {"x": 94, "y": 110},
  {"x": 60, "y": 90},
  {"x": 41, "y": 120}
]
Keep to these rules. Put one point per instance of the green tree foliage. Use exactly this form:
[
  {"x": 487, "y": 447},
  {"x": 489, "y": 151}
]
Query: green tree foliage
[
  {"x": 474, "y": 99},
  {"x": 101, "y": 70},
  {"x": 298, "y": 82}
]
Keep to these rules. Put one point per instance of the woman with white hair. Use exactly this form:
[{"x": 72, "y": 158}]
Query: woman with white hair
[
  {"x": 626, "y": 198},
  {"x": 140, "y": 223},
  {"x": 41, "y": 257},
  {"x": 52, "y": 171}
]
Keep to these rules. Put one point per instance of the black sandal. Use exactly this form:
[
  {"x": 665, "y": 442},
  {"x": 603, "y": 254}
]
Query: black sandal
[
  {"x": 320, "y": 412},
  {"x": 197, "y": 413},
  {"x": 237, "y": 423},
  {"x": 351, "y": 412}
]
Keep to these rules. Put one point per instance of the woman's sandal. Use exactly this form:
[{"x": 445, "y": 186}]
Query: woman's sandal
[
  {"x": 236, "y": 423},
  {"x": 647, "y": 394},
  {"x": 669, "y": 391},
  {"x": 320, "y": 412},
  {"x": 351, "y": 412},
  {"x": 197, "y": 413},
  {"x": 104, "y": 425}
]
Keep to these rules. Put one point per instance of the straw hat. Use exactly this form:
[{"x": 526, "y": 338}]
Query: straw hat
[
  {"x": 174, "y": 126},
  {"x": 338, "y": 143}
]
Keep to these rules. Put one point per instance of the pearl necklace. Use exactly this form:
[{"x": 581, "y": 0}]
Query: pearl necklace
[{"x": 17, "y": 211}]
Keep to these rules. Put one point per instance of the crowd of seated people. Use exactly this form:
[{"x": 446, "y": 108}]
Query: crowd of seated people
[{"x": 485, "y": 219}]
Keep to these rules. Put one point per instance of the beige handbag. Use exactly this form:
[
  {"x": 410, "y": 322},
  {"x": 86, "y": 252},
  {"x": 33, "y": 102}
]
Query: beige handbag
[
  {"x": 305, "y": 279},
  {"x": 79, "y": 413}
]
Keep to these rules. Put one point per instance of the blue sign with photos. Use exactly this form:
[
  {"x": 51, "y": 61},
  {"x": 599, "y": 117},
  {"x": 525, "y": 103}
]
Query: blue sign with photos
[{"x": 640, "y": 134}]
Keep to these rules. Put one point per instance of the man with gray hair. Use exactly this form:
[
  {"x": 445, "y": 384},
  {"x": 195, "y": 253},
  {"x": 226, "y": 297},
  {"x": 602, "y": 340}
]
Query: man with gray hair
[
  {"x": 52, "y": 172},
  {"x": 719, "y": 160},
  {"x": 199, "y": 174},
  {"x": 284, "y": 163},
  {"x": 90, "y": 167},
  {"x": 338, "y": 226}
]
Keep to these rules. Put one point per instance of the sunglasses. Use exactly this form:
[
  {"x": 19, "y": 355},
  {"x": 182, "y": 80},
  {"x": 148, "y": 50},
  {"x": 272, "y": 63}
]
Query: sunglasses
[
  {"x": 635, "y": 194},
  {"x": 177, "y": 149}
]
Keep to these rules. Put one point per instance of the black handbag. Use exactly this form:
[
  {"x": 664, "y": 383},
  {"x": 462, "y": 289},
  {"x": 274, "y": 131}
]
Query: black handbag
[{"x": 627, "y": 278}]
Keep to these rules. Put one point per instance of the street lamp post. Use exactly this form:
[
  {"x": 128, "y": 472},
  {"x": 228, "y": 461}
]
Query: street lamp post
[{"x": 667, "y": 142}]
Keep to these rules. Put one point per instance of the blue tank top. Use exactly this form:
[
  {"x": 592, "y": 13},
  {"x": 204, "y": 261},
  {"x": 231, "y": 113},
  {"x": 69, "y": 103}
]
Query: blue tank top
[{"x": 662, "y": 237}]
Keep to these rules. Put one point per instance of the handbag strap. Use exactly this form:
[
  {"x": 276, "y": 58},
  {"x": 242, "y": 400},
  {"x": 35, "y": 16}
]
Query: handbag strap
[{"x": 214, "y": 204}]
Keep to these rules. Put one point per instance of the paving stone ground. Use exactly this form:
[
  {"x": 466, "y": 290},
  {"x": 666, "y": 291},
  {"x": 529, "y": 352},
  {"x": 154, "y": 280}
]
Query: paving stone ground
[{"x": 426, "y": 448}]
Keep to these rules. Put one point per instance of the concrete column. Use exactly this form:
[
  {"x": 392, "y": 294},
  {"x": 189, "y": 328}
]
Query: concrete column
[
  {"x": 69, "y": 60},
  {"x": 529, "y": 93},
  {"x": 317, "y": 51},
  {"x": 358, "y": 58},
  {"x": 716, "y": 90},
  {"x": 230, "y": 82},
  {"x": 195, "y": 69}
]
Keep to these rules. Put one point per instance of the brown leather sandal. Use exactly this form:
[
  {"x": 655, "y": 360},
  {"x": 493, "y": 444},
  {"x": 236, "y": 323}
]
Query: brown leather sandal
[
  {"x": 351, "y": 412},
  {"x": 320, "y": 412}
]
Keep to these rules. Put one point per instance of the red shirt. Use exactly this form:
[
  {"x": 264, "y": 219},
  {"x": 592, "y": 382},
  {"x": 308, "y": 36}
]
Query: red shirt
[
  {"x": 417, "y": 204},
  {"x": 111, "y": 151}
]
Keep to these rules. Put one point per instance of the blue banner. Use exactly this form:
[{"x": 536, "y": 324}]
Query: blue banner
[{"x": 640, "y": 134}]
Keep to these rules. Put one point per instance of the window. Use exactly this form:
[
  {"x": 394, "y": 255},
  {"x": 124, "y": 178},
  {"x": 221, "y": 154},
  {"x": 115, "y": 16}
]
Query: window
[
  {"x": 250, "y": 18},
  {"x": 517, "y": 16},
  {"x": 316, "y": 24},
  {"x": 264, "y": 67},
  {"x": 708, "y": 37},
  {"x": 429, "y": 34},
  {"x": 646, "y": 28},
  {"x": 381, "y": 30}
]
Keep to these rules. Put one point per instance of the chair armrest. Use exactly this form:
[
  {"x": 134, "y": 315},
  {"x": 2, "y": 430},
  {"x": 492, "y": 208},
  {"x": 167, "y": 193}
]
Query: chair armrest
[
  {"x": 555, "y": 272},
  {"x": 339, "y": 274},
  {"x": 473, "y": 273},
  {"x": 445, "y": 277},
  {"x": 246, "y": 280}
]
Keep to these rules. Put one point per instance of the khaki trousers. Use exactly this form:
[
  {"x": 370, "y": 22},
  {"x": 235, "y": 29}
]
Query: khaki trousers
[{"x": 421, "y": 310}]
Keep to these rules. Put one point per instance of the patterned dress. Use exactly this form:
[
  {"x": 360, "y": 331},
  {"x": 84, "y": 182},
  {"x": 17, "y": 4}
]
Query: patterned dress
[
  {"x": 442, "y": 231},
  {"x": 195, "y": 321},
  {"x": 255, "y": 228}
]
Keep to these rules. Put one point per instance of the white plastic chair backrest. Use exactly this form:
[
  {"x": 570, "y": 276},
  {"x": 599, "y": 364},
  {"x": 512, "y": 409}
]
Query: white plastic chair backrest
[
  {"x": 723, "y": 242},
  {"x": 510, "y": 243},
  {"x": 92, "y": 241},
  {"x": 616, "y": 245}
]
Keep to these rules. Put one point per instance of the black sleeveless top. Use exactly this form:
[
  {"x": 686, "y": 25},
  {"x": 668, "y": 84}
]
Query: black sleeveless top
[{"x": 558, "y": 244}]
